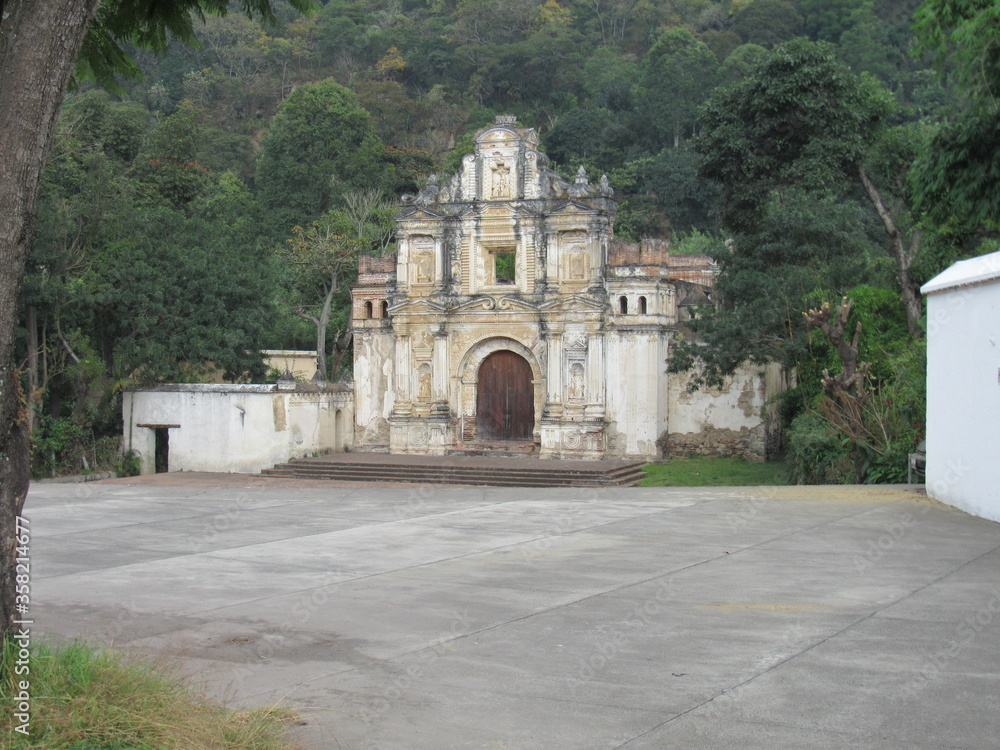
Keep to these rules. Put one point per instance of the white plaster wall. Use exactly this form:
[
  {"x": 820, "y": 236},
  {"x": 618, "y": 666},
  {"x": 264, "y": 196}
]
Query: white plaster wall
[
  {"x": 229, "y": 430},
  {"x": 302, "y": 364},
  {"x": 373, "y": 392},
  {"x": 735, "y": 406},
  {"x": 636, "y": 391},
  {"x": 963, "y": 398}
]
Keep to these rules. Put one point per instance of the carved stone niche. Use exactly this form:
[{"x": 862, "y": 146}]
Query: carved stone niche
[
  {"x": 575, "y": 372},
  {"x": 576, "y": 388},
  {"x": 576, "y": 259},
  {"x": 422, "y": 259},
  {"x": 424, "y": 382}
]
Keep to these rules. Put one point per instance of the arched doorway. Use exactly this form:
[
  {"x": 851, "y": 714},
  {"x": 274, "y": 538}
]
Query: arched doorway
[{"x": 505, "y": 399}]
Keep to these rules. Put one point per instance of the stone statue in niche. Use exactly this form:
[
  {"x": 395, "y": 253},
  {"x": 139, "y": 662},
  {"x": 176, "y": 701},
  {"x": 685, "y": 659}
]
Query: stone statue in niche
[
  {"x": 424, "y": 268},
  {"x": 576, "y": 386},
  {"x": 501, "y": 180},
  {"x": 424, "y": 392},
  {"x": 577, "y": 265}
]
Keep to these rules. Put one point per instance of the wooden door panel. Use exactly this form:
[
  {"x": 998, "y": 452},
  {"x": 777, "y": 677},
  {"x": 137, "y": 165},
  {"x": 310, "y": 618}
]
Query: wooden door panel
[{"x": 505, "y": 403}]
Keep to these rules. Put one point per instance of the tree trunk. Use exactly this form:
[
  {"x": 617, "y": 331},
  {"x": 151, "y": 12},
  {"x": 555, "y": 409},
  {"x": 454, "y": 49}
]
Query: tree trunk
[
  {"x": 39, "y": 44},
  {"x": 34, "y": 392},
  {"x": 834, "y": 327},
  {"x": 321, "y": 326},
  {"x": 904, "y": 255}
]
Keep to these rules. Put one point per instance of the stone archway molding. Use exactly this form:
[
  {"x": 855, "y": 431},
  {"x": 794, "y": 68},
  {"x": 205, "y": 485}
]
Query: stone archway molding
[
  {"x": 469, "y": 378},
  {"x": 477, "y": 352}
]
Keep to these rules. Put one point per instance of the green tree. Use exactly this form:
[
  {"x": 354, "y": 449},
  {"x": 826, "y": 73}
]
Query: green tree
[
  {"x": 767, "y": 22},
  {"x": 677, "y": 76},
  {"x": 956, "y": 178},
  {"x": 826, "y": 20},
  {"x": 803, "y": 119},
  {"x": 320, "y": 257},
  {"x": 679, "y": 191},
  {"x": 808, "y": 245},
  {"x": 609, "y": 78},
  {"x": 39, "y": 46},
  {"x": 322, "y": 143},
  {"x": 738, "y": 65}
]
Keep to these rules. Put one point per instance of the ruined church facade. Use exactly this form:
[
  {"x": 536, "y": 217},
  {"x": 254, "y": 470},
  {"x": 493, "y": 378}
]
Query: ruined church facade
[{"x": 511, "y": 319}]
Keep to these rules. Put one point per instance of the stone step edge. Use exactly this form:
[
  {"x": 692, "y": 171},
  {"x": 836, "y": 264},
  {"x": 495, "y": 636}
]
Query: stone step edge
[
  {"x": 307, "y": 470},
  {"x": 468, "y": 481}
]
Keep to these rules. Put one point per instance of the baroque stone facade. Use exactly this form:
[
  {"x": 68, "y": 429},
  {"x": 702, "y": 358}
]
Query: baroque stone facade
[{"x": 511, "y": 318}]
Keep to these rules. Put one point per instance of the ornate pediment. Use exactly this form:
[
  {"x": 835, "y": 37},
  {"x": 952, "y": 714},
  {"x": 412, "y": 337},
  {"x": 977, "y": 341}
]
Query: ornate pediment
[
  {"x": 416, "y": 306},
  {"x": 419, "y": 213},
  {"x": 572, "y": 207},
  {"x": 573, "y": 302},
  {"x": 489, "y": 303}
]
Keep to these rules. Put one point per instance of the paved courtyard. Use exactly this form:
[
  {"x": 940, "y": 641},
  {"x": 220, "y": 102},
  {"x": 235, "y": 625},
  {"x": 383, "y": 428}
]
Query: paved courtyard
[{"x": 448, "y": 617}]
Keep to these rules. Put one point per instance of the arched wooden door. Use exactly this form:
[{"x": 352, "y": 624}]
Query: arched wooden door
[{"x": 505, "y": 399}]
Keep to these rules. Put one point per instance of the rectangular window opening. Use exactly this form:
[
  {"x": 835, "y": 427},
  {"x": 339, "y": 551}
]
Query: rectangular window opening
[{"x": 505, "y": 268}]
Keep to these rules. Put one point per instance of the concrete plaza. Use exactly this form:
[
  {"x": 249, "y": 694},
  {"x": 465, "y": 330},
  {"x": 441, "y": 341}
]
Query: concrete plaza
[{"x": 449, "y": 617}]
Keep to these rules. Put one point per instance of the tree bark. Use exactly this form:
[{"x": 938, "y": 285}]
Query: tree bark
[
  {"x": 39, "y": 44},
  {"x": 834, "y": 327},
  {"x": 31, "y": 323},
  {"x": 903, "y": 253}
]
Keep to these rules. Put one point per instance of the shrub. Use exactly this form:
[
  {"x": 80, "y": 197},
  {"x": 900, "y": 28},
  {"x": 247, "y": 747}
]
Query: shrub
[{"x": 819, "y": 453}]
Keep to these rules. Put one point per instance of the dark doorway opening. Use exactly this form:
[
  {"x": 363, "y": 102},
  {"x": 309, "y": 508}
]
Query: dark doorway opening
[
  {"x": 505, "y": 398},
  {"x": 161, "y": 454}
]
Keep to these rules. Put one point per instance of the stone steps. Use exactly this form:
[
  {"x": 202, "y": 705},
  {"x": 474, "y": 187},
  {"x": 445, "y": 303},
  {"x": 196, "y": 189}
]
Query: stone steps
[{"x": 462, "y": 470}]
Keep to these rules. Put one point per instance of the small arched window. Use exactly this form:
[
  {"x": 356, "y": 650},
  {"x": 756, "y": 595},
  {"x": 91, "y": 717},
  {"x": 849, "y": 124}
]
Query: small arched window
[
  {"x": 642, "y": 305},
  {"x": 623, "y": 305},
  {"x": 368, "y": 310},
  {"x": 385, "y": 309}
]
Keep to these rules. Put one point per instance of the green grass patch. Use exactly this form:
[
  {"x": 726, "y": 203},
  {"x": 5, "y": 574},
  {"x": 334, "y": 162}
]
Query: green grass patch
[
  {"x": 82, "y": 698},
  {"x": 703, "y": 471}
]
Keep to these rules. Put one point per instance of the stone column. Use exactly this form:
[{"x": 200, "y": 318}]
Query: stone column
[
  {"x": 596, "y": 391},
  {"x": 439, "y": 372},
  {"x": 554, "y": 375},
  {"x": 439, "y": 261},
  {"x": 404, "y": 376}
]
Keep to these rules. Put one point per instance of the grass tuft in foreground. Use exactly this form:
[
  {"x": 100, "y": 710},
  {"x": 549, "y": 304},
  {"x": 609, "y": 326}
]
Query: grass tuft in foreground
[
  {"x": 714, "y": 472},
  {"x": 86, "y": 699}
]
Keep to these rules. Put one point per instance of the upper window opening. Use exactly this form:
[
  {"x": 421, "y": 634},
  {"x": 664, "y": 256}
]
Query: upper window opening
[
  {"x": 505, "y": 268},
  {"x": 642, "y": 305},
  {"x": 623, "y": 305}
]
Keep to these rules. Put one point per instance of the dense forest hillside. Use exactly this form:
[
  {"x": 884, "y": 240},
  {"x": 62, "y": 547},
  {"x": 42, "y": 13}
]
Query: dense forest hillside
[{"x": 208, "y": 208}]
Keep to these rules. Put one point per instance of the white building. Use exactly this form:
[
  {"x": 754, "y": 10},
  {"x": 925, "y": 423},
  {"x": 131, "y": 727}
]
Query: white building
[
  {"x": 235, "y": 427},
  {"x": 963, "y": 386}
]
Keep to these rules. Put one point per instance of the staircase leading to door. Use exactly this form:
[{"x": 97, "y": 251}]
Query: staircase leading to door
[{"x": 465, "y": 470}]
